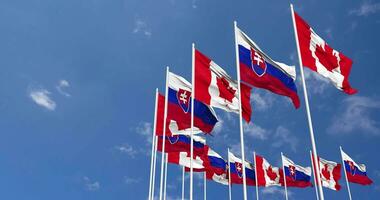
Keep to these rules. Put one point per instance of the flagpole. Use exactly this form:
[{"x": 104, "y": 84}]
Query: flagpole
[
  {"x": 256, "y": 180},
  {"x": 307, "y": 106},
  {"x": 283, "y": 169},
  {"x": 164, "y": 134},
  {"x": 166, "y": 174},
  {"x": 345, "y": 173},
  {"x": 153, "y": 146},
  {"x": 314, "y": 176},
  {"x": 183, "y": 183},
  {"x": 240, "y": 115},
  {"x": 204, "y": 184},
  {"x": 154, "y": 166},
  {"x": 229, "y": 175},
  {"x": 192, "y": 118}
]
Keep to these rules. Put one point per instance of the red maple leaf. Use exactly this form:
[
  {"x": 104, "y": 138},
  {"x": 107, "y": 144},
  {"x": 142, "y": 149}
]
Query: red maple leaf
[
  {"x": 325, "y": 172},
  {"x": 271, "y": 174},
  {"x": 225, "y": 90}
]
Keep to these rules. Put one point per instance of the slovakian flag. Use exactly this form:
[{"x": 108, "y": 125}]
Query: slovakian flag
[
  {"x": 267, "y": 175},
  {"x": 214, "y": 87},
  {"x": 356, "y": 173},
  {"x": 318, "y": 56},
  {"x": 171, "y": 125},
  {"x": 236, "y": 170},
  {"x": 179, "y": 106},
  {"x": 259, "y": 70},
  {"x": 184, "y": 159},
  {"x": 182, "y": 143},
  {"x": 330, "y": 173},
  {"x": 296, "y": 175}
]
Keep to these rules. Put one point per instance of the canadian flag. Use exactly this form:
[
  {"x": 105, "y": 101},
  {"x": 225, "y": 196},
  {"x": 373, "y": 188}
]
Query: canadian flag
[
  {"x": 267, "y": 175},
  {"x": 330, "y": 173},
  {"x": 214, "y": 87},
  {"x": 320, "y": 57}
]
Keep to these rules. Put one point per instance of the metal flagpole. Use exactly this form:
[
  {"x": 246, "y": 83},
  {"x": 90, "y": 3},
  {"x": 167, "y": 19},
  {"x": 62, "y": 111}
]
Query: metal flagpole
[
  {"x": 314, "y": 176},
  {"x": 164, "y": 134},
  {"x": 283, "y": 169},
  {"x": 240, "y": 114},
  {"x": 204, "y": 184},
  {"x": 307, "y": 107},
  {"x": 154, "y": 166},
  {"x": 166, "y": 174},
  {"x": 256, "y": 180},
  {"x": 229, "y": 175},
  {"x": 183, "y": 183},
  {"x": 192, "y": 119},
  {"x": 345, "y": 174},
  {"x": 153, "y": 146}
]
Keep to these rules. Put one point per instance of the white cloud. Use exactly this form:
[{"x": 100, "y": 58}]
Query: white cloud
[
  {"x": 41, "y": 97},
  {"x": 262, "y": 100},
  {"x": 142, "y": 28},
  {"x": 356, "y": 116},
  {"x": 366, "y": 8},
  {"x": 328, "y": 32},
  {"x": 127, "y": 149},
  {"x": 316, "y": 84},
  {"x": 256, "y": 131},
  {"x": 146, "y": 130},
  {"x": 129, "y": 180},
  {"x": 283, "y": 137},
  {"x": 91, "y": 185},
  {"x": 194, "y": 4},
  {"x": 275, "y": 191},
  {"x": 62, "y": 84},
  {"x": 218, "y": 127}
]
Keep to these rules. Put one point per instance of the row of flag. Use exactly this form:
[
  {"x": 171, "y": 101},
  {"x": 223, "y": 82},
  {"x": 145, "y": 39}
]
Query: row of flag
[
  {"x": 187, "y": 109},
  {"x": 260, "y": 172}
]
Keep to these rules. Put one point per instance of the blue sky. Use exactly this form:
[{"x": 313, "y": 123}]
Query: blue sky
[{"x": 78, "y": 78}]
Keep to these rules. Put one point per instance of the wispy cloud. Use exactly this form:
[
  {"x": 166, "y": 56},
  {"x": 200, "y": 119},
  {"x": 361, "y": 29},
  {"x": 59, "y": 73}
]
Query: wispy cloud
[
  {"x": 262, "y": 100},
  {"x": 141, "y": 27},
  {"x": 356, "y": 115},
  {"x": 283, "y": 137},
  {"x": 194, "y": 4},
  {"x": 316, "y": 84},
  {"x": 91, "y": 185},
  {"x": 62, "y": 85},
  {"x": 145, "y": 129},
  {"x": 41, "y": 97},
  {"x": 366, "y": 8},
  {"x": 256, "y": 131},
  {"x": 275, "y": 191},
  {"x": 127, "y": 149},
  {"x": 130, "y": 180}
]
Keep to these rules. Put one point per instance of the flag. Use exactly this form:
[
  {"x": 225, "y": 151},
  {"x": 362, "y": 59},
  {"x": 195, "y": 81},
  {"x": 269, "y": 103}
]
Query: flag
[
  {"x": 214, "y": 87},
  {"x": 184, "y": 158},
  {"x": 267, "y": 175},
  {"x": 320, "y": 57},
  {"x": 216, "y": 167},
  {"x": 236, "y": 170},
  {"x": 356, "y": 173},
  {"x": 259, "y": 70},
  {"x": 330, "y": 173},
  {"x": 182, "y": 143},
  {"x": 179, "y": 106},
  {"x": 171, "y": 125},
  {"x": 296, "y": 175}
]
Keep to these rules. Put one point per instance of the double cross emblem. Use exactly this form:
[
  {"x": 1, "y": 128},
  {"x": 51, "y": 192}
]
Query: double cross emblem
[
  {"x": 258, "y": 64},
  {"x": 183, "y": 97}
]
